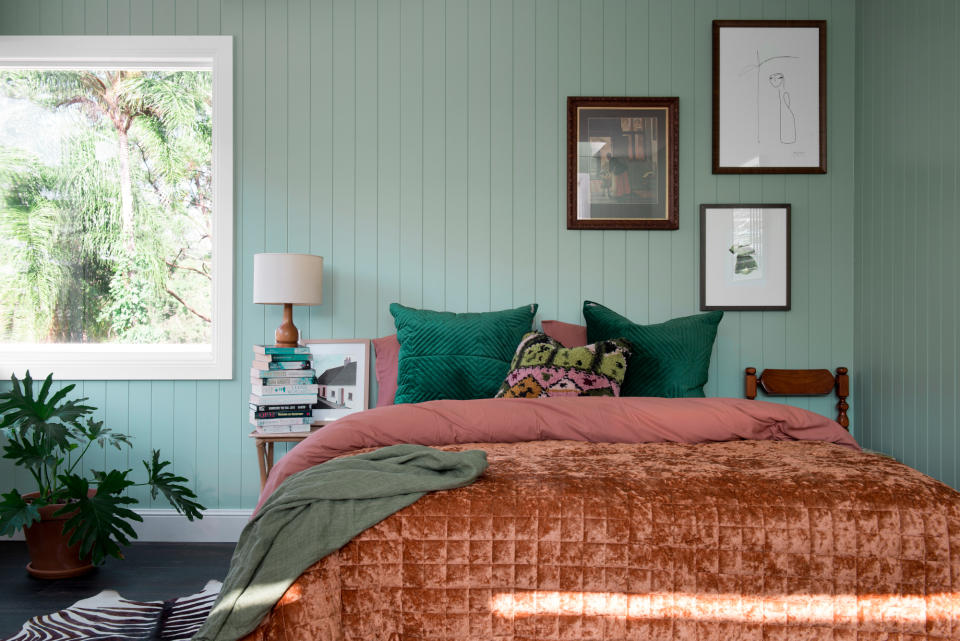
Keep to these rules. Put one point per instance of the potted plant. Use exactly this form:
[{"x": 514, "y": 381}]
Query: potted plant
[{"x": 72, "y": 523}]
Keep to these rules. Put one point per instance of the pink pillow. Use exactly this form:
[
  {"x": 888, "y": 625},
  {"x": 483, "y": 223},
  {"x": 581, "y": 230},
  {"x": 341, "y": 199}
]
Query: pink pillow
[
  {"x": 387, "y": 353},
  {"x": 567, "y": 334}
]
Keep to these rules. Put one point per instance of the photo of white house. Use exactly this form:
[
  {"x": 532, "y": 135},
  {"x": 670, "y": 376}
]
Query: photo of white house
[{"x": 338, "y": 385}]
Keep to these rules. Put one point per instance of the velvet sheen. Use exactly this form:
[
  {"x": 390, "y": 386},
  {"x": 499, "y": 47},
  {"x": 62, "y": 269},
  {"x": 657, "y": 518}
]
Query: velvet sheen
[
  {"x": 595, "y": 419},
  {"x": 733, "y": 541},
  {"x": 456, "y": 356},
  {"x": 670, "y": 359}
]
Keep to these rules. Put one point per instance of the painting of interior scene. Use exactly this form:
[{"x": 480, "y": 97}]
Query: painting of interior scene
[{"x": 624, "y": 165}]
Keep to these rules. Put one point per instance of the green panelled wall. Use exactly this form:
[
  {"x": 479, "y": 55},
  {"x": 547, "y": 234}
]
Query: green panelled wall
[
  {"x": 418, "y": 145},
  {"x": 907, "y": 232}
]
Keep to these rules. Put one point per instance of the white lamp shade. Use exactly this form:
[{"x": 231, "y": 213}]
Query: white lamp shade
[{"x": 287, "y": 278}]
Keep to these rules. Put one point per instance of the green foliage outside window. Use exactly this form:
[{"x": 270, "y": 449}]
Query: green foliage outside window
[{"x": 105, "y": 206}]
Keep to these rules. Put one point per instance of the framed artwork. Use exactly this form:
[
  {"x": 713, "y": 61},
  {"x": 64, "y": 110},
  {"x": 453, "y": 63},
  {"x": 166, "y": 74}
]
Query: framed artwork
[
  {"x": 343, "y": 377},
  {"x": 745, "y": 257},
  {"x": 769, "y": 96},
  {"x": 622, "y": 164}
]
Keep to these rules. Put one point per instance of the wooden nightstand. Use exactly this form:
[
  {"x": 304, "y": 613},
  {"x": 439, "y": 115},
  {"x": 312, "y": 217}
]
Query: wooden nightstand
[{"x": 265, "y": 443}]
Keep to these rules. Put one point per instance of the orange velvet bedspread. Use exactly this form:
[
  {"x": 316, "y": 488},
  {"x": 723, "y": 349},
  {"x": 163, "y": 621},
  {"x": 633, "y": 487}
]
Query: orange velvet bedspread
[{"x": 562, "y": 540}]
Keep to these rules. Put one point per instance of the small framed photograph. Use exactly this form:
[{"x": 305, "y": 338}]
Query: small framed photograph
[
  {"x": 769, "y": 96},
  {"x": 343, "y": 377},
  {"x": 745, "y": 257},
  {"x": 622, "y": 164}
]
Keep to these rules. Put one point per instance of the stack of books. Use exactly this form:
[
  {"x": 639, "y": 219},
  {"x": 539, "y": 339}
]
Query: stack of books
[{"x": 284, "y": 389}]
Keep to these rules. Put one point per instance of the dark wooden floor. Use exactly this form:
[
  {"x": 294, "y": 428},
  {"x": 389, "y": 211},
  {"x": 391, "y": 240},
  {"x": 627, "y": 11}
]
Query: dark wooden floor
[{"x": 150, "y": 572}]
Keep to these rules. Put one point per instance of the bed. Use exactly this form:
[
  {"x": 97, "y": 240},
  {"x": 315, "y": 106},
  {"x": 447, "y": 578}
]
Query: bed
[{"x": 635, "y": 518}]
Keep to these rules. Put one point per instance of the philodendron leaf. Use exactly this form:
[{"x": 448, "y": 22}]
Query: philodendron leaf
[
  {"x": 20, "y": 409},
  {"x": 95, "y": 431},
  {"x": 28, "y": 454},
  {"x": 171, "y": 486},
  {"x": 99, "y": 523},
  {"x": 16, "y": 513}
]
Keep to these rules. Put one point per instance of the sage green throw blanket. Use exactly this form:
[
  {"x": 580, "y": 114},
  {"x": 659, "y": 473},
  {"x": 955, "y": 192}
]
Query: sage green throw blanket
[{"x": 316, "y": 512}]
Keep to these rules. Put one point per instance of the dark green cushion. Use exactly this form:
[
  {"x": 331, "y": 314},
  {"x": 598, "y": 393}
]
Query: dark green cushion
[
  {"x": 670, "y": 359},
  {"x": 458, "y": 356}
]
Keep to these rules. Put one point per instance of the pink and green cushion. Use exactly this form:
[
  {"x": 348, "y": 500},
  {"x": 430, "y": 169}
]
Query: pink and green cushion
[{"x": 542, "y": 367}]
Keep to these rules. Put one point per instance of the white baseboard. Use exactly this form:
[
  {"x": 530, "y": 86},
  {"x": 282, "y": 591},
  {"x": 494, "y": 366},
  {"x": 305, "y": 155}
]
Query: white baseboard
[{"x": 216, "y": 526}]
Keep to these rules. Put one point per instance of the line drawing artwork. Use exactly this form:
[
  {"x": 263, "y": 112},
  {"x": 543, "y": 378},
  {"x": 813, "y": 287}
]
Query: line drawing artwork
[
  {"x": 788, "y": 119},
  {"x": 758, "y": 68}
]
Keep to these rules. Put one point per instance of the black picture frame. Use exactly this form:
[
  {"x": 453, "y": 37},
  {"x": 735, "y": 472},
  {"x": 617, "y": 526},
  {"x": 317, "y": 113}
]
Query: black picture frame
[
  {"x": 731, "y": 146},
  {"x": 720, "y": 287}
]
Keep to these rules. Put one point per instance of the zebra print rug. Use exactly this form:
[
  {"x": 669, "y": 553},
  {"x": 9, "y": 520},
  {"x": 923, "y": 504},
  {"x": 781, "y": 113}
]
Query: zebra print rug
[{"x": 108, "y": 616}]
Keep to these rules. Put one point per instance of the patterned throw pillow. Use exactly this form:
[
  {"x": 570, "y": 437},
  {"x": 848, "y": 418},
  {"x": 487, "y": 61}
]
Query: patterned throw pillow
[{"x": 542, "y": 367}]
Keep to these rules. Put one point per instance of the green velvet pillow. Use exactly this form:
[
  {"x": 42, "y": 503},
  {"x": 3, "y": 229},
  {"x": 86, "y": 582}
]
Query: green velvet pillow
[
  {"x": 670, "y": 359},
  {"x": 458, "y": 356}
]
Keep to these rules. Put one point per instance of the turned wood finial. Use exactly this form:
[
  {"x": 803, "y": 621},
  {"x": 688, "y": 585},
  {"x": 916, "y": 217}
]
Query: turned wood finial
[
  {"x": 843, "y": 391},
  {"x": 751, "y": 383}
]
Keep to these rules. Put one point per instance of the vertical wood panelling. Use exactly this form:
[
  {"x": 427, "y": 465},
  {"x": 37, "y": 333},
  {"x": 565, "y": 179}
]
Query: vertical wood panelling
[
  {"x": 479, "y": 134},
  {"x": 419, "y": 146},
  {"x": 905, "y": 278}
]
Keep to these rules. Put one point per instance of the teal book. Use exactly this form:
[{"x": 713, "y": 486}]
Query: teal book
[
  {"x": 281, "y": 358},
  {"x": 271, "y": 349}
]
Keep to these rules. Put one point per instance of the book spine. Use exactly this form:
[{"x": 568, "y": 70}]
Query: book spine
[
  {"x": 280, "y": 422},
  {"x": 271, "y": 349},
  {"x": 282, "y": 381},
  {"x": 281, "y": 414},
  {"x": 284, "y": 358},
  {"x": 283, "y": 399},
  {"x": 259, "y": 363},
  {"x": 281, "y": 373},
  {"x": 261, "y": 390},
  {"x": 283, "y": 429},
  {"x": 290, "y": 407}
]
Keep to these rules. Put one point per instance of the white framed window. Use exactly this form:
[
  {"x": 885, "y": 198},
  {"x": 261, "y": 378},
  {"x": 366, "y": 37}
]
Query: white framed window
[{"x": 116, "y": 206}]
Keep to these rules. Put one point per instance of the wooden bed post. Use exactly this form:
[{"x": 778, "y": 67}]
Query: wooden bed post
[
  {"x": 751, "y": 383},
  {"x": 843, "y": 391}
]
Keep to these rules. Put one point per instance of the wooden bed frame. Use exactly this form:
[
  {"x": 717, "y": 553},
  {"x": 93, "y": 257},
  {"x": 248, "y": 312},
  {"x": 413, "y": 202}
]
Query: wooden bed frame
[{"x": 802, "y": 382}]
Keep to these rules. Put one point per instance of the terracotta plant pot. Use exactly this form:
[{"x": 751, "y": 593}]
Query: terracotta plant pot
[{"x": 50, "y": 556}]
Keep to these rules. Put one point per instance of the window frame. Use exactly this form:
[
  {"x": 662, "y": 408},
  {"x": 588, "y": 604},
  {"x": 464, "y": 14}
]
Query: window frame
[{"x": 106, "y": 361}]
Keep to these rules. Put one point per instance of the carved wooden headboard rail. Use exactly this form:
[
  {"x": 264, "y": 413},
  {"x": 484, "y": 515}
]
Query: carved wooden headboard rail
[{"x": 802, "y": 382}]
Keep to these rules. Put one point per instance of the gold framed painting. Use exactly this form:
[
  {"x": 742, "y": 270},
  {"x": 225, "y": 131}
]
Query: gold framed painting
[{"x": 622, "y": 163}]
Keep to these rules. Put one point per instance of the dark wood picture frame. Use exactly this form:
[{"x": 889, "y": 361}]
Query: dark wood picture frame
[
  {"x": 821, "y": 167},
  {"x": 703, "y": 259},
  {"x": 668, "y": 188}
]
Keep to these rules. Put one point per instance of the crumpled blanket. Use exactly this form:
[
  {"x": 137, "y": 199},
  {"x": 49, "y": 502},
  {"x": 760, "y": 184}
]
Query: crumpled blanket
[{"x": 317, "y": 511}]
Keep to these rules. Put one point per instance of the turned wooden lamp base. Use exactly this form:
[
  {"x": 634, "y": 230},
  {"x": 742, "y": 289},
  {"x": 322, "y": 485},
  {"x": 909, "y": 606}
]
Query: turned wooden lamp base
[{"x": 287, "y": 335}]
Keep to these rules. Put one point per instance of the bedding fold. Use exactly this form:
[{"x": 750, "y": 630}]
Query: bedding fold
[
  {"x": 588, "y": 419},
  {"x": 316, "y": 512}
]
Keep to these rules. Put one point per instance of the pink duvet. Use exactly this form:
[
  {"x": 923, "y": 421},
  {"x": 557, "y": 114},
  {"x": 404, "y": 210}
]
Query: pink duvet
[{"x": 589, "y": 419}]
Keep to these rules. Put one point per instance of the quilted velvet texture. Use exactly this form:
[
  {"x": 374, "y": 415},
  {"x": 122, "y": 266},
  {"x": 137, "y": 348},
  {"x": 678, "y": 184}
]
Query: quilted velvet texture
[
  {"x": 671, "y": 359},
  {"x": 543, "y": 368},
  {"x": 455, "y": 356},
  {"x": 563, "y": 541}
]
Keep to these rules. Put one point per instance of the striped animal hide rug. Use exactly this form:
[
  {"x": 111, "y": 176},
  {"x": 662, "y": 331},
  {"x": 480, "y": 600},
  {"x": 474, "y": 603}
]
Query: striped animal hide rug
[{"x": 109, "y": 616}]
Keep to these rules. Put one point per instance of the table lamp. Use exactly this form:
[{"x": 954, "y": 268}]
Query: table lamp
[{"x": 288, "y": 280}]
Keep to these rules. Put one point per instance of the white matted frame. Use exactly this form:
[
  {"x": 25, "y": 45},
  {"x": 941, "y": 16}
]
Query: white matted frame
[
  {"x": 131, "y": 361},
  {"x": 745, "y": 257},
  {"x": 769, "y": 96},
  {"x": 343, "y": 377}
]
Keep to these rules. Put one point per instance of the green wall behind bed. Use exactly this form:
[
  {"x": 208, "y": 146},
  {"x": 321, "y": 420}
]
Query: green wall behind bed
[
  {"x": 418, "y": 145},
  {"x": 907, "y": 232}
]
